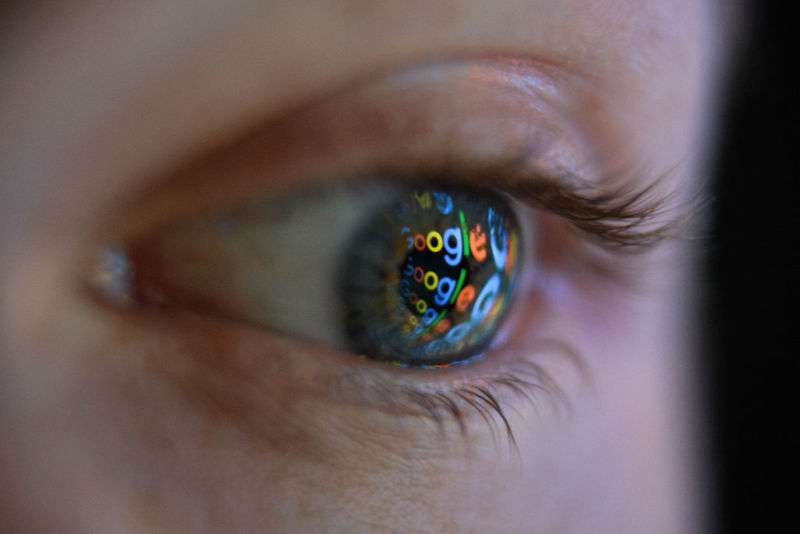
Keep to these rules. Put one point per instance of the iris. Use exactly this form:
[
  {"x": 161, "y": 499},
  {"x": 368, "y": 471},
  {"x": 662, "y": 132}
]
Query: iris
[{"x": 430, "y": 276}]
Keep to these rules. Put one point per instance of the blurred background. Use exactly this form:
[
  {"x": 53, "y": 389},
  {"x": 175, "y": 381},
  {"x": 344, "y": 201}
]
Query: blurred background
[{"x": 752, "y": 273}]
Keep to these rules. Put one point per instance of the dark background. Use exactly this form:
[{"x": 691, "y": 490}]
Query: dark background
[{"x": 752, "y": 273}]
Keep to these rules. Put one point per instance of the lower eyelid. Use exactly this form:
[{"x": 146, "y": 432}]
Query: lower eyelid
[
  {"x": 530, "y": 370},
  {"x": 250, "y": 376},
  {"x": 260, "y": 381}
]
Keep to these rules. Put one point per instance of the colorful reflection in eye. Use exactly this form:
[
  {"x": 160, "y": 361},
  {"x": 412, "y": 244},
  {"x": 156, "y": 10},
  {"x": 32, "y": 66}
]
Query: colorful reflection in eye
[{"x": 430, "y": 277}]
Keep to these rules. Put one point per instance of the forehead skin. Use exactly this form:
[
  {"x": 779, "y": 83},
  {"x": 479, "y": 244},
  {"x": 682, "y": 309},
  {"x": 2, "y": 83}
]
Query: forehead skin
[{"x": 100, "y": 97}]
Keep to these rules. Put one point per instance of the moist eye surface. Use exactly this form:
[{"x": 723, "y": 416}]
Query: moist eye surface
[{"x": 428, "y": 278}]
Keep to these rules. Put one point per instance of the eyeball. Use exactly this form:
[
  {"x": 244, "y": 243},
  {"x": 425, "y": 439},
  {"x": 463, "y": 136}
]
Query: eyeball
[
  {"x": 429, "y": 277},
  {"x": 418, "y": 277}
]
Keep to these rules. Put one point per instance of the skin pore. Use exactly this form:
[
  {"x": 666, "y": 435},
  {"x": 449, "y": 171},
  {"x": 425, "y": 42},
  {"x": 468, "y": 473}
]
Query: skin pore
[{"x": 130, "y": 115}]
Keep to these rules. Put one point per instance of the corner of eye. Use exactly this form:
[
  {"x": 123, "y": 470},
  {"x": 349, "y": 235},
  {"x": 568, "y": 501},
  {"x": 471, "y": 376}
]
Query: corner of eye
[{"x": 107, "y": 273}]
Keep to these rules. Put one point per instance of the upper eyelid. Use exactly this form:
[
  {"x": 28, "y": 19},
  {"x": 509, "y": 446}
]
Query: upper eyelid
[
  {"x": 359, "y": 110},
  {"x": 631, "y": 216},
  {"x": 627, "y": 217}
]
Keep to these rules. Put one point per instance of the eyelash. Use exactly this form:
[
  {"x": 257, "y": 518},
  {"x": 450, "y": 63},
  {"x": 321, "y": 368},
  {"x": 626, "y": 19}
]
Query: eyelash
[
  {"x": 621, "y": 219},
  {"x": 485, "y": 399}
]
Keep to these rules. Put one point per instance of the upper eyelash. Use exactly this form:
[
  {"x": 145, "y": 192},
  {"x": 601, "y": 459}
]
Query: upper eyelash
[{"x": 627, "y": 217}]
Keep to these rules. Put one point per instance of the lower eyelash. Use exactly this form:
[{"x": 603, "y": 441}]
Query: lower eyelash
[{"x": 491, "y": 399}]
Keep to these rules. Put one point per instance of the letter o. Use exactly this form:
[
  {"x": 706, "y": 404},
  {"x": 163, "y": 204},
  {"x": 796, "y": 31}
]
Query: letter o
[
  {"x": 431, "y": 280},
  {"x": 434, "y": 241}
]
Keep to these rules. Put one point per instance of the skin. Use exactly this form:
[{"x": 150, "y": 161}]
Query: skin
[{"x": 118, "y": 421}]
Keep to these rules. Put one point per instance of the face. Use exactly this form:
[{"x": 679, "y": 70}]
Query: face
[{"x": 207, "y": 207}]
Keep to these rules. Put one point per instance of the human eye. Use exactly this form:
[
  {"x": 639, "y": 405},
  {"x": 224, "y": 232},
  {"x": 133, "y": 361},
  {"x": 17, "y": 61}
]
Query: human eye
[
  {"x": 416, "y": 276},
  {"x": 411, "y": 233}
]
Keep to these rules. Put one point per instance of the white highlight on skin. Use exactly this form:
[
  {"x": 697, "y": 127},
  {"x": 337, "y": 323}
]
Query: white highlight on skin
[{"x": 113, "y": 275}]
